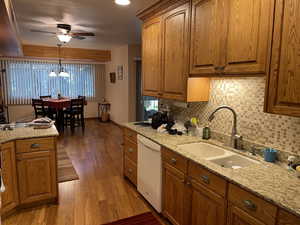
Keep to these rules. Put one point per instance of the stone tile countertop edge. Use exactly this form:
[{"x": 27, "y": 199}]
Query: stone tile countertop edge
[
  {"x": 267, "y": 180},
  {"x": 27, "y": 133}
]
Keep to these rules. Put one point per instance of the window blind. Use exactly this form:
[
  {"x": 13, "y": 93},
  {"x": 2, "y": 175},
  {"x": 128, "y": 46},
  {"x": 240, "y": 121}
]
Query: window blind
[{"x": 24, "y": 80}]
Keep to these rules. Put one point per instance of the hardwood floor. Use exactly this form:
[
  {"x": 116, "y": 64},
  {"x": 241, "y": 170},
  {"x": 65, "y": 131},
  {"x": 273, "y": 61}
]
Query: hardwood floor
[{"x": 101, "y": 195}]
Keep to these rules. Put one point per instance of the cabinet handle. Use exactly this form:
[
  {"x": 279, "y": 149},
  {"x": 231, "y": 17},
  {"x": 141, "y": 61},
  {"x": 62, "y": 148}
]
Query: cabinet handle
[
  {"x": 130, "y": 150},
  {"x": 188, "y": 183},
  {"x": 173, "y": 161},
  {"x": 205, "y": 179},
  {"x": 35, "y": 146},
  {"x": 222, "y": 68},
  {"x": 250, "y": 205}
]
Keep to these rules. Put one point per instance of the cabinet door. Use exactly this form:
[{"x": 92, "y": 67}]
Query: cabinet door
[
  {"x": 285, "y": 218},
  {"x": 9, "y": 198},
  {"x": 207, "y": 207},
  {"x": 175, "y": 53},
  {"x": 173, "y": 194},
  {"x": 283, "y": 92},
  {"x": 37, "y": 176},
  {"x": 248, "y": 43},
  {"x": 237, "y": 216},
  {"x": 205, "y": 38},
  {"x": 151, "y": 54}
]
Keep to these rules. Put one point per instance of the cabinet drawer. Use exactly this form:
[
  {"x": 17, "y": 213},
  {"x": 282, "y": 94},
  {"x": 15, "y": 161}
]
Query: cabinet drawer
[
  {"x": 35, "y": 144},
  {"x": 130, "y": 150},
  {"x": 208, "y": 179},
  {"x": 286, "y": 218},
  {"x": 175, "y": 160},
  {"x": 130, "y": 170},
  {"x": 130, "y": 134},
  {"x": 253, "y": 205}
]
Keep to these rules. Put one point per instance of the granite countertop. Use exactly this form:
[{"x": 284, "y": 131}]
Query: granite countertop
[
  {"x": 26, "y": 133},
  {"x": 267, "y": 180}
]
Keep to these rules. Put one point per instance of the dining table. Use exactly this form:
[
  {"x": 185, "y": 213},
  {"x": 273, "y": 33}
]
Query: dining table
[{"x": 58, "y": 105}]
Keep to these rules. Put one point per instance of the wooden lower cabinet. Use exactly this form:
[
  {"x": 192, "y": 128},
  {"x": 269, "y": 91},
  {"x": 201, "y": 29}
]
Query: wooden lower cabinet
[
  {"x": 237, "y": 216},
  {"x": 206, "y": 207},
  {"x": 9, "y": 198},
  {"x": 29, "y": 173},
  {"x": 285, "y": 218},
  {"x": 37, "y": 176},
  {"x": 174, "y": 194}
]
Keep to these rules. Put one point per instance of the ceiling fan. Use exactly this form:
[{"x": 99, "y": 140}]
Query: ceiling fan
[{"x": 65, "y": 34}]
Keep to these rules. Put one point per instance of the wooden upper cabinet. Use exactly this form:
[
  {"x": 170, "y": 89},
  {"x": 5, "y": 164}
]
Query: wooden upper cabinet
[
  {"x": 175, "y": 53},
  {"x": 204, "y": 49},
  {"x": 283, "y": 92},
  {"x": 9, "y": 198},
  {"x": 151, "y": 53},
  {"x": 247, "y": 44}
]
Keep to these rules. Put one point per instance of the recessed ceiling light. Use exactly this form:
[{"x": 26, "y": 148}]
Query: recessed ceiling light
[{"x": 122, "y": 2}]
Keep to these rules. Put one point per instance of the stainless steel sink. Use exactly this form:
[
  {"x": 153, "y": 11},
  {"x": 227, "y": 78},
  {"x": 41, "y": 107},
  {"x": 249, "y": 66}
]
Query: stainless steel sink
[
  {"x": 204, "y": 150},
  {"x": 234, "y": 161}
]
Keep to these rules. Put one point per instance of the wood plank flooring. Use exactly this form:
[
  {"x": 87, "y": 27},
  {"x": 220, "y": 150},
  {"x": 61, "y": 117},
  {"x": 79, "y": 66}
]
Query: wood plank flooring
[{"x": 101, "y": 195}]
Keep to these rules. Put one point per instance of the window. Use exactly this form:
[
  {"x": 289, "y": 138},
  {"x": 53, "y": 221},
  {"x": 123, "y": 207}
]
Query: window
[
  {"x": 24, "y": 80},
  {"x": 150, "y": 106}
]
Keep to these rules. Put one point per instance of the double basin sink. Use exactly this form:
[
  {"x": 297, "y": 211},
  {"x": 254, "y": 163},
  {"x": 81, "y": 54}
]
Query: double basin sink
[{"x": 218, "y": 155}]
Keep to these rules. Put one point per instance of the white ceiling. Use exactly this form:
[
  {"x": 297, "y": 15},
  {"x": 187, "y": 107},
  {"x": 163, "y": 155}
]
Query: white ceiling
[{"x": 112, "y": 24}]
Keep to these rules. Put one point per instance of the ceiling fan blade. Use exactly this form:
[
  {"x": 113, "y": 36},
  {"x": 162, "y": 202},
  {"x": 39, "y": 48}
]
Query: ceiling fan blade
[
  {"x": 79, "y": 37},
  {"x": 42, "y": 31},
  {"x": 86, "y": 34}
]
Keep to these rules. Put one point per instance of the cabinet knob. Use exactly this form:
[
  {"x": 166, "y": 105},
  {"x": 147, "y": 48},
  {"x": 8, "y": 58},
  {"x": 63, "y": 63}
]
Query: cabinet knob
[
  {"x": 130, "y": 150},
  {"x": 250, "y": 205},
  {"x": 130, "y": 170},
  {"x": 205, "y": 179},
  {"x": 35, "y": 146},
  {"x": 173, "y": 161}
]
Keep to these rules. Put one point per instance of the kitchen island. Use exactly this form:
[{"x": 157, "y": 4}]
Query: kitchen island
[{"x": 29, "y": 168}]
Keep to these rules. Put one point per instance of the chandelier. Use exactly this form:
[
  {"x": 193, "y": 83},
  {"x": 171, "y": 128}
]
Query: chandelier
[{"x": 61, "y": 72}]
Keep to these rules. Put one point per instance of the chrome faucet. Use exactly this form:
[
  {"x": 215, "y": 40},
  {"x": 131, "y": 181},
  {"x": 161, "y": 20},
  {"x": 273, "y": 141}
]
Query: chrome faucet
[{"x": 236, "y": 139}]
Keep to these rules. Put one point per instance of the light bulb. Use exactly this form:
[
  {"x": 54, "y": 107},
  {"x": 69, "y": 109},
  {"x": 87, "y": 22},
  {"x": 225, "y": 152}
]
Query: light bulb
[
  {"x": 64, "y": 74},
  {"x": 122, "y": 2},
  {"x": 64, "y": 38},
  {"x": 52, "y": 74}
]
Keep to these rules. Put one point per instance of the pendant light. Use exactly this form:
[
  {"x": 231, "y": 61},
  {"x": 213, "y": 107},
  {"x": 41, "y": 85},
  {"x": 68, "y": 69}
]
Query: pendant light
[{"x": 61, "y": 72}]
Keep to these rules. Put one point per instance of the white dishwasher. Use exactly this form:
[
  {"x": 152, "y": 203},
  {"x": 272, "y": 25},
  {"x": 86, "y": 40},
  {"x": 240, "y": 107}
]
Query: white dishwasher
[{"x": 149, "y": 171}]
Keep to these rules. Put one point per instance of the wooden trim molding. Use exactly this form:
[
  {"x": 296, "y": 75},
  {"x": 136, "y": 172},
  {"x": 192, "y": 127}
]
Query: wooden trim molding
[
  {"x": 158, "y": 8},
  {"x": 37, "y": 51},
  {"x": 10, "y": 44}
]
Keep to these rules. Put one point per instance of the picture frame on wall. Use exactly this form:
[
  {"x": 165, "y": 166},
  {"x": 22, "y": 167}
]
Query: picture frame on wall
[
  {"x": 120, "y": 72},
  {"x": 112, "y": 76}
]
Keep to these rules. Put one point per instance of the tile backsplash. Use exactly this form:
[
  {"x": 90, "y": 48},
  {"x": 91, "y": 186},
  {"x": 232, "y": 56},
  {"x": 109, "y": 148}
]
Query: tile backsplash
[{"x": 246, "y": 96}]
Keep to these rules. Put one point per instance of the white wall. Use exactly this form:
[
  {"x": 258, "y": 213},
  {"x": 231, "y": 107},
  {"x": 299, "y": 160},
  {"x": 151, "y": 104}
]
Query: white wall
[{"x": 121, "y": 94}]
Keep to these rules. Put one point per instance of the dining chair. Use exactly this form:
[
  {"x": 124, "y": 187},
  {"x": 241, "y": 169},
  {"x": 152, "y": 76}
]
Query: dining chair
[
  {"x": 39, "y": 108},
  {"x": 51, "y": 112},
  {"x": 74, "y": 116}
]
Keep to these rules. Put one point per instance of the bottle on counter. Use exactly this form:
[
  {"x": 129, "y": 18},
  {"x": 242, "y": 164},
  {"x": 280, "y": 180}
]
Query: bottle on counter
[{"x": 206, "y": 132}]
